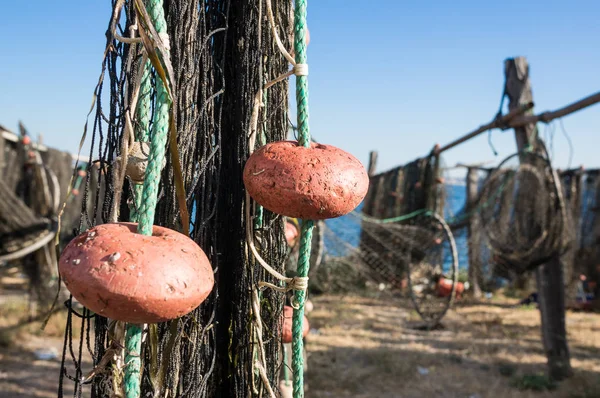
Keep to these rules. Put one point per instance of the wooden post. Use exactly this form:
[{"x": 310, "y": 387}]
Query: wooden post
[
  {"x": 372, "y": 163},
  {"x": 549, "y": 276},
  {"x": 2, "y": 157},
  {"x": 473, "y": 234}
]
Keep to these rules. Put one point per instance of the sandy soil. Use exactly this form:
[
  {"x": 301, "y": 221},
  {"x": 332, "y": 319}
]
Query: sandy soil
[
  {"x": 366, "y": 347},
  {"x": 372, "y": 347}
]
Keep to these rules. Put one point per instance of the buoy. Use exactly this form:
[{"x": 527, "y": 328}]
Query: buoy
[
  {"x": 291, "y": 233},
  {"x": 26, "y": 140},
  {"x": 81, "y": 173},
  {"x": 288, "y": 313},
  {"x": 313, "y": 183},
  {"x": 444, "y": 287},
  {"x": 75, "y": 191},
  {"x": 129, "y": 277}
]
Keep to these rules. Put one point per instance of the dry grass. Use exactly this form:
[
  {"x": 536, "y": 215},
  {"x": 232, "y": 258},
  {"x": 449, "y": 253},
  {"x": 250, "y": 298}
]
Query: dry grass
[
  {"x": 22, "y": 373},
  {"x": 369, "y": 347}
]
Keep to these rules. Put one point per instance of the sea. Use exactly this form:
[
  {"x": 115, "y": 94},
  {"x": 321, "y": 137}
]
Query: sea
[{"x": 348, "y": 229}]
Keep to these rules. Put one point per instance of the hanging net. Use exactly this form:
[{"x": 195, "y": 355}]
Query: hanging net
[
  {"x": 394, "y": 241},
  {"x": 221, "y": 52},
  {"x": 523, "y": 214}
]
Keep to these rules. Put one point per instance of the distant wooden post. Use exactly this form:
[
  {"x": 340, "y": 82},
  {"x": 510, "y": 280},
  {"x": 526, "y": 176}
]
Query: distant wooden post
[
  {"x": 1, "y": 153},
  {"x": 549, "y": 276},
  {"x": 372, "y": 163},
  {"x": 473, "y": 234}
]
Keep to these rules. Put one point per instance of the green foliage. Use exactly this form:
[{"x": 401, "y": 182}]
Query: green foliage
[{"x": 534, "y": 382}]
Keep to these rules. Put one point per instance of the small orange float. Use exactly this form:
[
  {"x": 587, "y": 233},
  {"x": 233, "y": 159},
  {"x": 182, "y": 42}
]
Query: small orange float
[
  {"x": 444, "y": 287},
  {"x": 314, "y": 183},
  {"x": 129, "y": 277},
  {"x": 291, "y": 233},
  {"x": 288, "y": 313}
]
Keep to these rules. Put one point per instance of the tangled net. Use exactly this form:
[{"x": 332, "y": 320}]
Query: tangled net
[
  {"x": 394, "y": 241},
  {"x": 221, "y": 53},
  {"x": 523, "y": 215}
]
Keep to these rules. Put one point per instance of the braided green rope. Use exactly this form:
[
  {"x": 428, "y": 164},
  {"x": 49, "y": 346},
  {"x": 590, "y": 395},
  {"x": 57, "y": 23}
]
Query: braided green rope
[
  {"x": 307, "y": 225},
  {"x": 148, "y": 199},
  {"x": 298, "y": 318},
  {"x": 143, "y": 112}
]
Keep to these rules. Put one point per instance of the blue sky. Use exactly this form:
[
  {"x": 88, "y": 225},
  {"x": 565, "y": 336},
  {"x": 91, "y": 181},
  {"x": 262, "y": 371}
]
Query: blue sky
[{"x": 387, "y": 75}]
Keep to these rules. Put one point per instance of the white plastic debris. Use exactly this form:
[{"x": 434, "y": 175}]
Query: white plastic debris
[
  {"x": 45, "y": 354},
  {"x": 422, "y": 371}
]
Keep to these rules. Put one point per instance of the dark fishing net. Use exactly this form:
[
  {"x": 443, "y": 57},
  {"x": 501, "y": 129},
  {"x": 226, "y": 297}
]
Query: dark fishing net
[
  {"x": 411, "y": 252},
  {"x": 463, "y": 186},
  {"x": 34, "y": 184},
  {"x": 582, "y": 197},
  {"x": 523, "y": 214},
  {"x": 221, "y": 52}
]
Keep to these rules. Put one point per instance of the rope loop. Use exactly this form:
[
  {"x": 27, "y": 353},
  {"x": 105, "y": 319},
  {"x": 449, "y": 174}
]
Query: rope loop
[{"x": 300, "y": 69}]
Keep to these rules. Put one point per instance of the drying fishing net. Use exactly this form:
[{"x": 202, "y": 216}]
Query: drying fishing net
[
  {"x": 221, "y": 53},
  {"x": 462, "y": 188},
  {"x": 523, "y": 214},
  {"x": 32, "y": 189},
  {"x": 582, "y": 196},
  {"x": 394, "y": 241}
]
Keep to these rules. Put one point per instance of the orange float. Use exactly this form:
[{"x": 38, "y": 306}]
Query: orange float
[
  {"x": 444, "y": 287},
  {"x": 288, "y": 313},
  {"x": 291, "y": 233},
  {"x": 314, "y": 183},
  {"x": 129, "y": 277}
]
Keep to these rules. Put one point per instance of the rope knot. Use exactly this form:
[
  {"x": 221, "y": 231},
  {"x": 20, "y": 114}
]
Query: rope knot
[
  {"x": 299, "y": 283},
  {"x": 300, "y": 69}
]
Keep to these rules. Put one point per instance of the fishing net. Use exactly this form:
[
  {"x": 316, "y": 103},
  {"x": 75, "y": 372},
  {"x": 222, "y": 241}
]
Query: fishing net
[
  {"x": 582, "y": 195},
  {"x": 31, "y": 192},
  {"x": 523, "y": 214},
  {"x": 462, "y": 192},
  {"x": 221, "y": 53},
  {"x": 395, "y": 242}
]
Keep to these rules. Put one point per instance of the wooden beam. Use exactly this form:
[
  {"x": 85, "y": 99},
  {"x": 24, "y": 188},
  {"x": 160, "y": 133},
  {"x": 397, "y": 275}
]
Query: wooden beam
[
  {"x": 498, "y": 122},
  {"x": 549, "y": 276},
  {"x": 548, "y": 116}
]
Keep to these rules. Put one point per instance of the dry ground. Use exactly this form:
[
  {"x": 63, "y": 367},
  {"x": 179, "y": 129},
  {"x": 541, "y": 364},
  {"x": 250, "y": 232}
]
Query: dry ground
[
  {"x": 367, "y": 347},
  {"x": 370, "y": 347}
]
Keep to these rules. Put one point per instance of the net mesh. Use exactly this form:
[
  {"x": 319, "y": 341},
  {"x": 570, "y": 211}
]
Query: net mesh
[
  {"x": 393, "y": 240},
  {"x": 221, "y": 52}
]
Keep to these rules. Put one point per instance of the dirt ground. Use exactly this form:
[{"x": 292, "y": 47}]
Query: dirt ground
[
  {"x": 372, "y": 347},
  {"x": 366, "y": 347}
]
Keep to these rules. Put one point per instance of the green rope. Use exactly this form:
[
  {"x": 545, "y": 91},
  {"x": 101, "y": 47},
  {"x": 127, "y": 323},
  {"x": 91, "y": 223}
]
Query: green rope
[
  {"x": 307, "y": 225},
  {"x": 143, "y": 112},
  {"x": 297, "y": 321},
  {"x": 148, "y": 197}
]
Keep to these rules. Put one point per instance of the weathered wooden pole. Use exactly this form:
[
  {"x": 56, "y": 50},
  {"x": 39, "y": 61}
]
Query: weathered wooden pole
[
  {"x": 372, "y": 163},
  {"x": 549, "y": 276},
  {"x": 473, "y": 233}
]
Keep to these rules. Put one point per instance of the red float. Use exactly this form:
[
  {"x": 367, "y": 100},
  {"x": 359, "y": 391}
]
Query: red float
[
  {"x": 444, "y": 287},
  {"x": 129, "y": 277},
  {"x": 288, "y": 313},
  {"x": 291, "y": 233},
  {"x": 313, "y": 183}
]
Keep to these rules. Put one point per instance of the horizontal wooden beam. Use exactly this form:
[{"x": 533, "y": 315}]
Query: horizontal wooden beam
[
  {"x": 498, "y": 122},
  {"x": 548, "y": 116}
]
